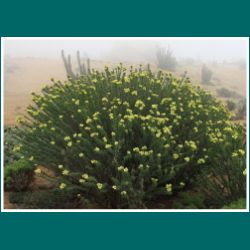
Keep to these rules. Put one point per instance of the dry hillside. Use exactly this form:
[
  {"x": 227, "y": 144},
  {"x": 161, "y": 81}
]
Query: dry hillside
[{"x": 25, "y": 75}]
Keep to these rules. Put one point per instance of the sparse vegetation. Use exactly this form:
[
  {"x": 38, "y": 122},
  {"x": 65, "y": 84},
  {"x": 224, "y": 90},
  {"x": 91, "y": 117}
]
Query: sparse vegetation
[
  {"x": 231, "y": 105},
  {"x": 241, "y": 109},
  {"x": 166, "y": 59},
  {"x": 223, "y": 92},
  {"x": 206, "y": 75},
  {"x": 32, "y": 79}
]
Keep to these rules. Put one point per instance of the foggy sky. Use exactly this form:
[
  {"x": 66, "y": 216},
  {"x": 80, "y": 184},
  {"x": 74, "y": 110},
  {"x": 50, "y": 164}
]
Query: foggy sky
[{"x": 129, "y": 50}]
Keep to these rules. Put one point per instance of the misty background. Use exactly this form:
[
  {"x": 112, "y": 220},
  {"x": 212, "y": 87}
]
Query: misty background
[
  {"x": 138, "y": 50},
  {"x": 218, "y": 64}
]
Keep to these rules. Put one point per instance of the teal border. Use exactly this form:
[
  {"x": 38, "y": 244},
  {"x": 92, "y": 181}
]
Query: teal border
[{"x": 124, "y": 230}]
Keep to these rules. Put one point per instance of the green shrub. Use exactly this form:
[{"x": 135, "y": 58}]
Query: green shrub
[
  {"x": 224, "y": 181},
  {"x": 16, "y": 197},
  {"x": 10, "y": 150},
  {"x": 123, "y": 138},
  {"x": 239, "y": 204},
  {"x": 189, "y": 200},
  {"x": 18, "y": 176},
  {"x": 54, "y": 199},
  {"x": 223, "y": 92},
  {"x": 49, "y": 199},
  {"x": 241, "y": 109},
  {"x": 231, "y": 105}
]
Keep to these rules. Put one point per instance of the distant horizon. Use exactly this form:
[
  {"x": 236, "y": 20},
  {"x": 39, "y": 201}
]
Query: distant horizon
[
  {"x": 125, "y": 49},
  {"x": 73, "y": 55}
]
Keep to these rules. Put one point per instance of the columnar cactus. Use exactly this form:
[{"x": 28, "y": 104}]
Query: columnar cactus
[{"x": 82, "y": 69}]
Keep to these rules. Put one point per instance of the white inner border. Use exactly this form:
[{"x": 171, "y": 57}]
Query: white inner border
[{"x": 4, "y": 39}]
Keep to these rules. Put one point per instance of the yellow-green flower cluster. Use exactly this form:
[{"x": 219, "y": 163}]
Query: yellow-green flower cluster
[
  {"x": 139, "y": 104},
  {"x": 169, "y": 188}
]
